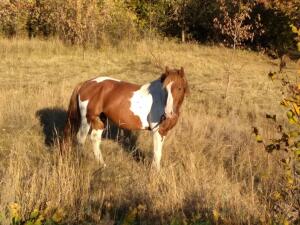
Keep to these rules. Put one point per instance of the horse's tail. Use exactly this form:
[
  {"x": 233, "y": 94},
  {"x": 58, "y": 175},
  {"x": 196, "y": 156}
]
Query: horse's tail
[{"x": 73, "y": 118}]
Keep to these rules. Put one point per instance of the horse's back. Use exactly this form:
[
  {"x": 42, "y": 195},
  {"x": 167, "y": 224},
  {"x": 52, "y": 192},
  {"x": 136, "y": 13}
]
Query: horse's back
[
  {"x": 111, "y": 97},
  {"x": 106, "y": 86}
]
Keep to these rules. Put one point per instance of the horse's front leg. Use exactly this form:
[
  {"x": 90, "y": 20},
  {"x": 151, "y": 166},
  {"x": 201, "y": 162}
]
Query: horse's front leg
[{"x": 158, "y": 141}]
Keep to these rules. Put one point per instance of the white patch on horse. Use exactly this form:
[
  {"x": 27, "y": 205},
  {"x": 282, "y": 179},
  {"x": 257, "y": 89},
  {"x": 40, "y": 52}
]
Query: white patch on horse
[
  {"x": 84, "y": 125},
  {"x": 140, "y": 104},
  {"x": 96, "y": 140},
  {"x": 158, "y": 142},
  {"x": 100, "y": 79},
  {"x": 169, "y": 105}
]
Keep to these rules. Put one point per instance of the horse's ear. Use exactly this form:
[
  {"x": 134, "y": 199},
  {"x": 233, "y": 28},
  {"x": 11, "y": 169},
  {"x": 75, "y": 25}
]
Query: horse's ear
[
  {"x": 163, "y": 77},
  {"x": 165, "y": 74},
  {"x": 167, "y": 70}
]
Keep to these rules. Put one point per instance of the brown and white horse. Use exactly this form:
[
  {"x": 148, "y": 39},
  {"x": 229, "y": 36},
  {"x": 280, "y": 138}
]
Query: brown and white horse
[{"x": 153, "y": 106}]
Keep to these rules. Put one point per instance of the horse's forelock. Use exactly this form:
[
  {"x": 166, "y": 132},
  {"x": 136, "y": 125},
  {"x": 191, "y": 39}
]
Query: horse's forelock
[{"x": 175, "y": 76}]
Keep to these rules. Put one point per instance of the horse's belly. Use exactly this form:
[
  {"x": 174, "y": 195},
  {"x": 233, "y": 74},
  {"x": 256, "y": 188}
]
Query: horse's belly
[
  {"x": 129, "y": 109},
  {"x": 127, "y": 120},
  {"x": 131, "y": 114}
]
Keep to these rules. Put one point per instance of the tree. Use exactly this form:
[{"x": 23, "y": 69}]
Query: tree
[
  {"x": 179, "y": 14},
  {"x": 232, "y": 22}
]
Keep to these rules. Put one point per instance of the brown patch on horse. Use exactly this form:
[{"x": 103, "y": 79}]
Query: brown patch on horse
[
  {"x": 111, "y": 98},
  {"x": 167, "y": 125}
]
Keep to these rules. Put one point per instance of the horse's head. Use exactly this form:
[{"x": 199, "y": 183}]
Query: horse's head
[{"x": 174, "y": 81}]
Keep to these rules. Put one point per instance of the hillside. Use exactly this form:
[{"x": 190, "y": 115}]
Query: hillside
[{"x": 212, "y": 168}]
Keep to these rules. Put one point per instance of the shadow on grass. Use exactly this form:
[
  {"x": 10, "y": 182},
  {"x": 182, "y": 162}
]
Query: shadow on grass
[
  {"x": 139, "y": 211},
  {"x": 127, "y": 139},
  {"x": 53, "y": 121}
]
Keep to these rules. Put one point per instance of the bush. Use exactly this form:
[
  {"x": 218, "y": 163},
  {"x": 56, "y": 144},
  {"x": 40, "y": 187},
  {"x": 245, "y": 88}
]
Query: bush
[
  {"x": 82, "y": 22},
  {"x": 13, "y": 16},
  {"x": 277, "y": 34},
  {"x": 260, "y": 24},
  {"x": 286, "y": 199}
]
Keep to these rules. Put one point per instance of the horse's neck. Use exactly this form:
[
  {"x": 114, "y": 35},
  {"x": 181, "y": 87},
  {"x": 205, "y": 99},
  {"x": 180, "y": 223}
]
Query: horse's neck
[{"x": 156, "y": 90}]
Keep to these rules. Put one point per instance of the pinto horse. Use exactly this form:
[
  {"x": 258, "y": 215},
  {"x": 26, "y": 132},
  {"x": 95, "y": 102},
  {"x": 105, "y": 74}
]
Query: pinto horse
[{"x": 153, "y": 106}]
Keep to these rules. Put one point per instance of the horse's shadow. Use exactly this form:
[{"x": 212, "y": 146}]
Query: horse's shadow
[{"x": 53, "y": 121}]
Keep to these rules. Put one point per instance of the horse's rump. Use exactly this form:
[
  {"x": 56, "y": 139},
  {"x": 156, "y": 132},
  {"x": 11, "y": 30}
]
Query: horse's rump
[{"x": 73, "y": 116}]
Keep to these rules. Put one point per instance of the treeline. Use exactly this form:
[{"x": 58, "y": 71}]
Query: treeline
[{"x": 238, "y": 23}]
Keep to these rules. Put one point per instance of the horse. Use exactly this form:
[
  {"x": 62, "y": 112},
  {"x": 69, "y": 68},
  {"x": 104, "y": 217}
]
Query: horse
[{"x": 154, "y": 106}]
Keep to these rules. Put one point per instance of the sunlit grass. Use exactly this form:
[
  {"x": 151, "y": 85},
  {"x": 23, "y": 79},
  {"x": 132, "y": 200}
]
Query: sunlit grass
[{"x": 211, "y": 165}]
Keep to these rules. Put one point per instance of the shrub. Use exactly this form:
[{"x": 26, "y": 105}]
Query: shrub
[
  {"x": 286, "y": 200},
  {"x": 13, "y": 17},
  {"x": 82, "y": 22},
  {"x": 234, "y": 22},
  {"x": 277, "y": 35}
]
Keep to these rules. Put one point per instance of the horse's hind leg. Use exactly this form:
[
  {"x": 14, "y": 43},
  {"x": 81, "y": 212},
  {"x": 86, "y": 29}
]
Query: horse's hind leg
[
  {"x": 96, "y": 134},
  {"x": 83, "y": 131},
  {"x": 84, "y": 124}
]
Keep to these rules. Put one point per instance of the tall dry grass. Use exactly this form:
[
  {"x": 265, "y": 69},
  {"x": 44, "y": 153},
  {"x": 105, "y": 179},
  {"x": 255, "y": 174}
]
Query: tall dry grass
[{"x": 212, "y": 169}]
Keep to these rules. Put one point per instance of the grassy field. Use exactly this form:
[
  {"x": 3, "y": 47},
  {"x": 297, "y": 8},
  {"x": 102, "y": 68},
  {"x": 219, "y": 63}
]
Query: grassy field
[{"x": 213, "y": 171}]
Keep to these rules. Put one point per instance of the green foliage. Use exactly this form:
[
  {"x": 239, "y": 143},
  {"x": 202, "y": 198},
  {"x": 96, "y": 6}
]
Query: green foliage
[
  {"x": 147, "y": 13},
  {"x": 76, "y": 22},
  {"x": 93, "y": 22},
  {"x": 130, "y": 217},
  {"x": 287, "y": 197},
  {"x": 36, "y": 217},
  {"x": 277, "y": 34}
]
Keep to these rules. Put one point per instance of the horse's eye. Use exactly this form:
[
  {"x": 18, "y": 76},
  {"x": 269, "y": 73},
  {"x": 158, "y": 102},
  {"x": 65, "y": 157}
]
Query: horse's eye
[{"x": 180, "y": 89}]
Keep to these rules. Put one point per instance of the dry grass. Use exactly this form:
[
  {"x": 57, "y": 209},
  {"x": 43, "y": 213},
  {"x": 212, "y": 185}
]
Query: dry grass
[{"x": 211, "y": 166}]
